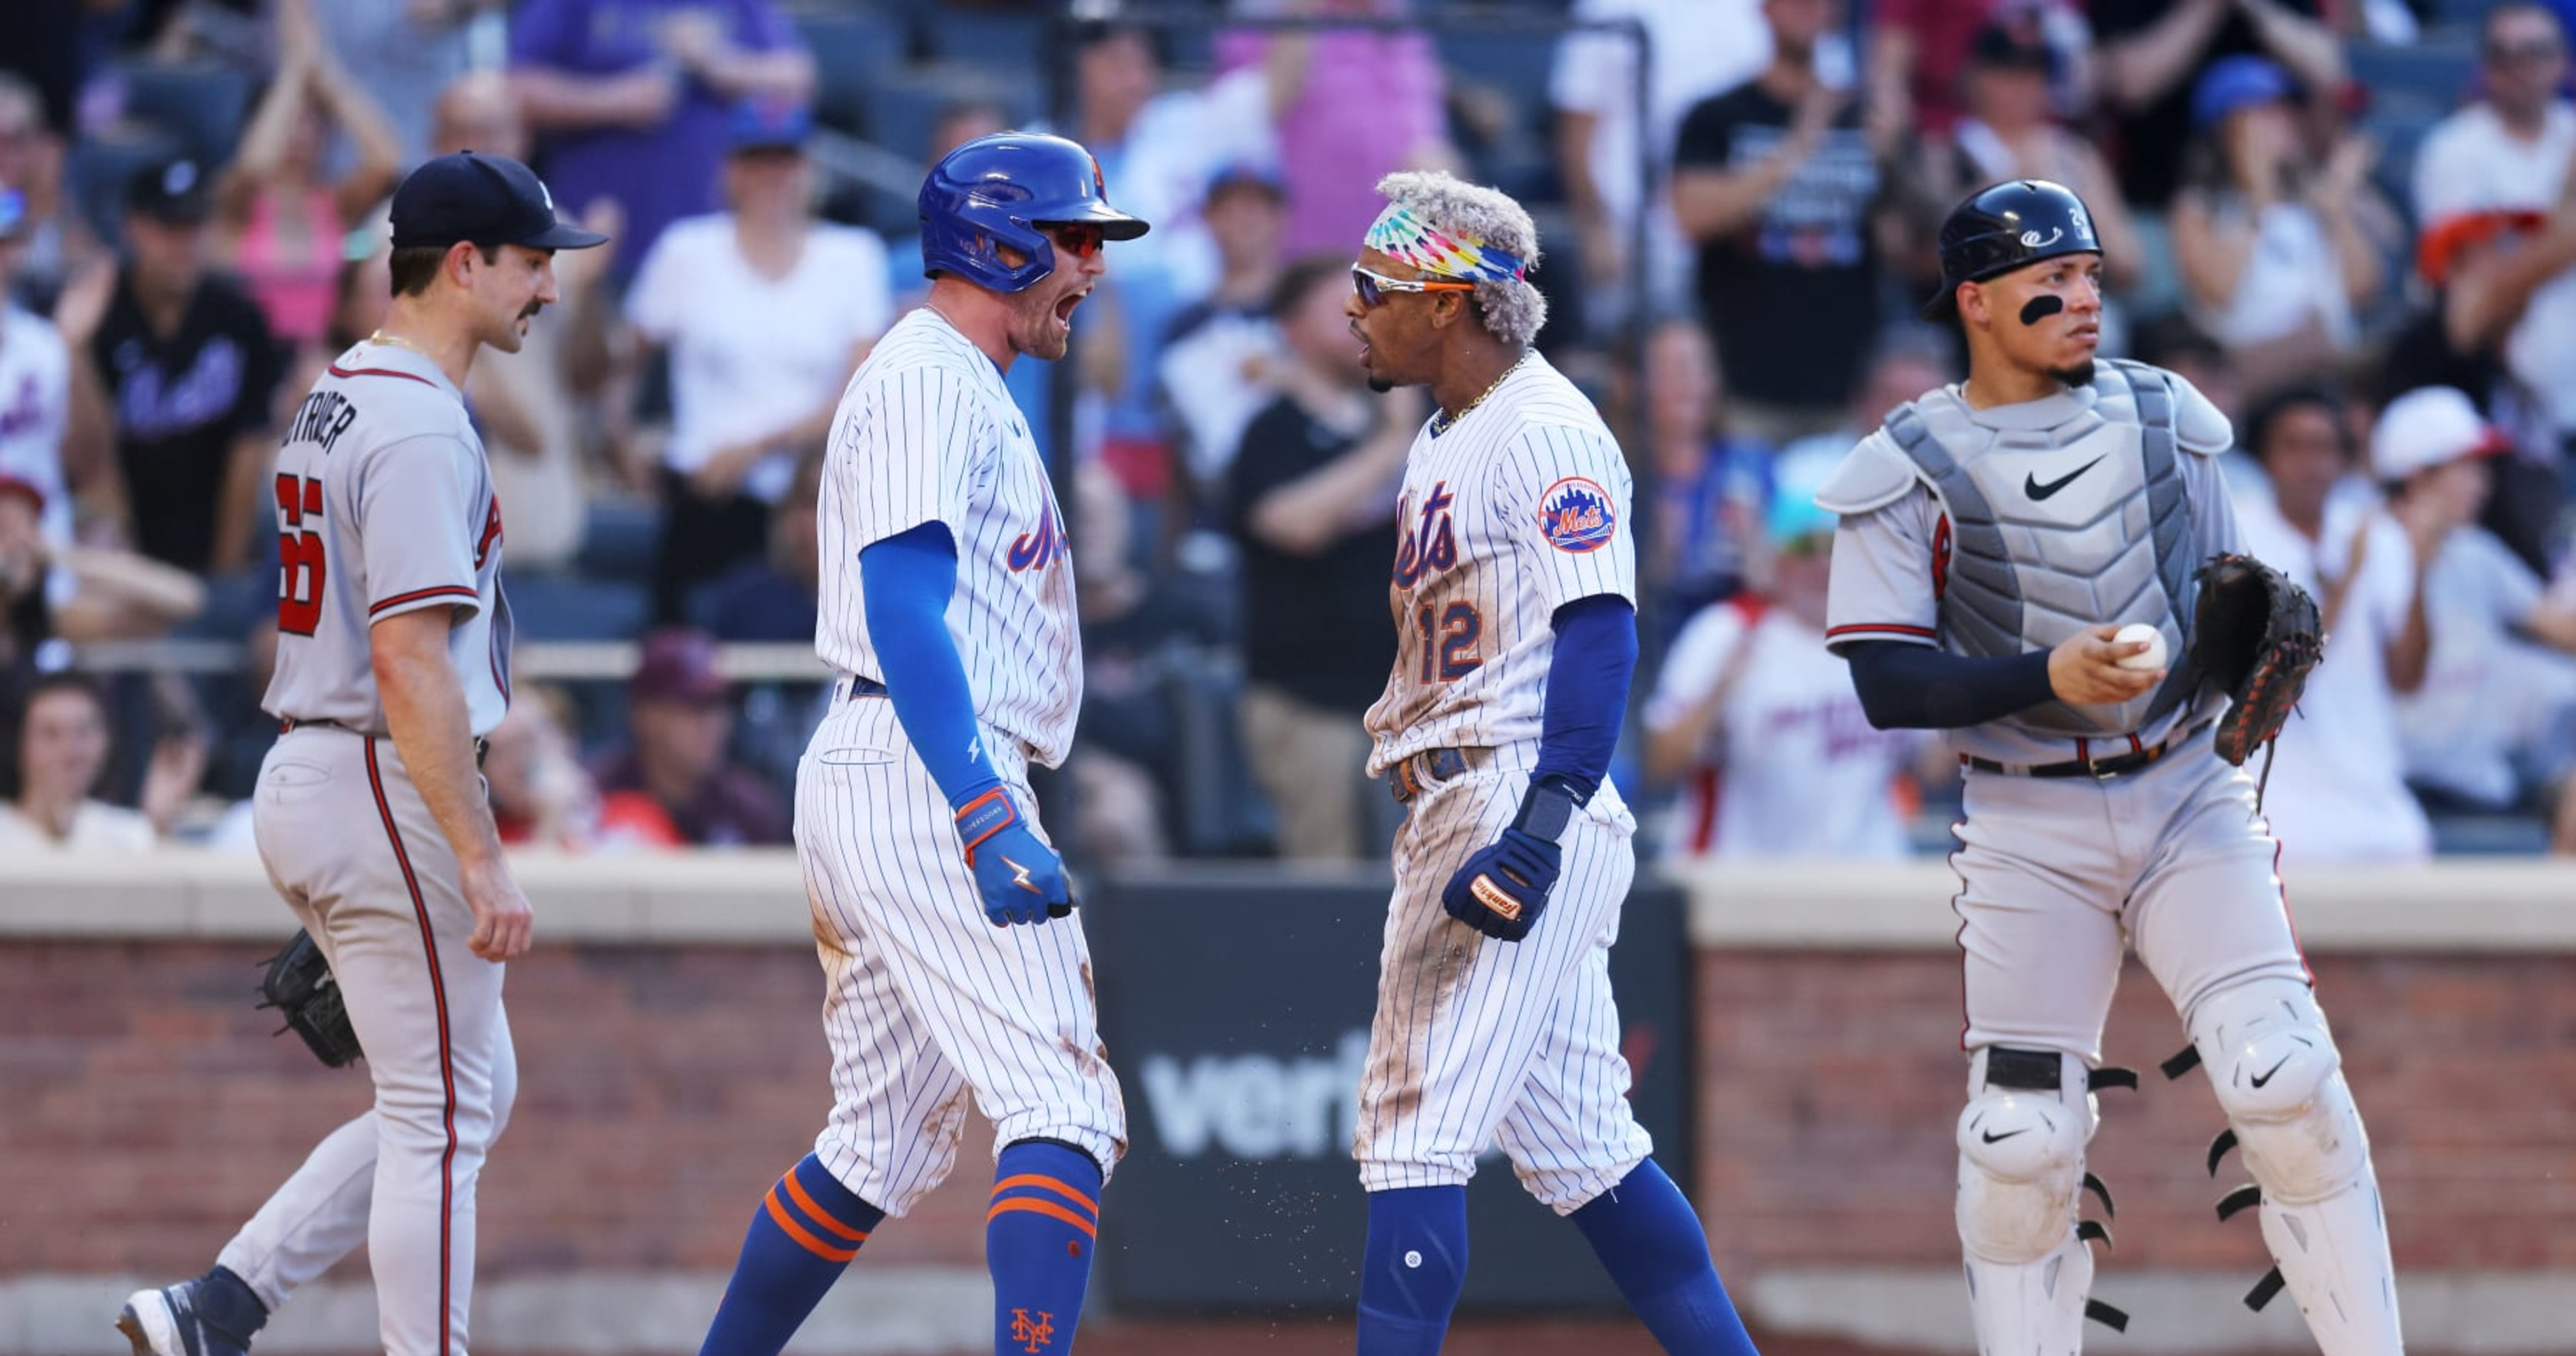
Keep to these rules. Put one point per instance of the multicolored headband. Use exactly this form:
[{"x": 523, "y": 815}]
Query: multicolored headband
[{"x": 1400, "y": 235}]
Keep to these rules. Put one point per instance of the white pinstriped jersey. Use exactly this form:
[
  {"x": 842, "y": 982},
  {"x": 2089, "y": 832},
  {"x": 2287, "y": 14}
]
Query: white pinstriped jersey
[
  {"x": 384, "y": 506},
  {"x": 1517, "y": 510},
  {"x": 925, "y": 433}
]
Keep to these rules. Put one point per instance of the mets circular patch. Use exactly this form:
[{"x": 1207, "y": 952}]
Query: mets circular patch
[{"x": 1576, "y": 515}]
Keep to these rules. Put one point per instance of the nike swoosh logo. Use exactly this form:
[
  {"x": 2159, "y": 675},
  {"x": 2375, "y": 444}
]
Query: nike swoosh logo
[
  {"x": 2032, "y": 485},
  {"x": 2264, "y": 1077},
  {"x": 1991, "y": 1137}
]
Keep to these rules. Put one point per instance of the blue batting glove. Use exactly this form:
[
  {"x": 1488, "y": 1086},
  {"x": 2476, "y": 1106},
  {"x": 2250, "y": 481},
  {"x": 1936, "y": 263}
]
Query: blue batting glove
[
  {"x": 1021, "y": 879},
  {"x": 1502, "y": 890}
]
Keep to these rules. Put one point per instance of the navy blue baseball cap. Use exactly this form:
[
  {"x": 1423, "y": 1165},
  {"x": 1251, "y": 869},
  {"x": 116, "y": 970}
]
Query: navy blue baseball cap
[
  {"x": 486, "y": 199},
  {"x": 762, "y": 124}
]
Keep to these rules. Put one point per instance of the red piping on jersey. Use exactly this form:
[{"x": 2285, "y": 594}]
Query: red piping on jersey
[
  {"x": 338, "y": 371},
  {"x": 446, "y": 1052},
  {"x": 1703, "y": 831},
  {"x": 2286, "y": 916},
  {"x": 1880, "y": 629},
  {"x": 443, "y": 590}
]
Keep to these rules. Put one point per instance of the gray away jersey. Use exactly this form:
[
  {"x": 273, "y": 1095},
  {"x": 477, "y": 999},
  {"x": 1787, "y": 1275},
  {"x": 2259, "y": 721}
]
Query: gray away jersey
[
  {"x": 384, "y": 506},
  {"x": 925, "y": 433},
  {"x": 1519, "y": 509},
  {"x": 2077, "y": 494}
]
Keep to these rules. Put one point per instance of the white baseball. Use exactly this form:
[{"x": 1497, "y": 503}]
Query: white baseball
[{"x": 2150, "y": 659}]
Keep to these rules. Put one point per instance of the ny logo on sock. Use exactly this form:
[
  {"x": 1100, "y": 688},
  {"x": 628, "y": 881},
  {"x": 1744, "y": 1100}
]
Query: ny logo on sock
[{"x": 1033, "y": 1335}]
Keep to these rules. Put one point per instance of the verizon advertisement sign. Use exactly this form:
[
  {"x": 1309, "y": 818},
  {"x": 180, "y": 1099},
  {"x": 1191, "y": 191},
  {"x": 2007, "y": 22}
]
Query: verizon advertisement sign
[{"x": 1237, "y": 1016}]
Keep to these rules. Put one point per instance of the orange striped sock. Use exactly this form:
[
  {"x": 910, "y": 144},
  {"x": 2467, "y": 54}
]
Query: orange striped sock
[{"x": 1038, "y": 1240}]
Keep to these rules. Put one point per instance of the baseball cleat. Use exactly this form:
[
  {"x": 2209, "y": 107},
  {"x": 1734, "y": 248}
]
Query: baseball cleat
[{"x": 165, "y": 1322}]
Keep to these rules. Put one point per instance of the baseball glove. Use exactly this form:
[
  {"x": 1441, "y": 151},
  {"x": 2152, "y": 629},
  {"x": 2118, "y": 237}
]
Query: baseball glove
[
  {"x": 2256, "y": 634},
  {"x": 299, "y": 984}
]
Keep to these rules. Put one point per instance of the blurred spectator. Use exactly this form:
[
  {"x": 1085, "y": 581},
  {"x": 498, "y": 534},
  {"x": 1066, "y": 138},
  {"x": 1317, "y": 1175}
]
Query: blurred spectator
[
  {"x": 540, "y": 795},
  {"x": 2276, "y": 255},
  {"x": 1612, "y": 170},
  {"x": 766, "y": 312},
  {"x": 2509, "y": 152},
  {"x": 1313, "y": 508},
  {"x": 60, "y": 750},
  {"x": 673, "y": 786},
  {"x": 1708, "y": 482},
  {"x": 189, "y": 367},
  {"x": 2008, "y": 128},
  {"x": 1921, "y": 52},
  {"x": 55, "y": 243},
  {"x": 2485, "y": 269},
  {"x": 1759, "y": 722},
  {"x": 1349, "y": 106},
  {"x": 2337, "y": 790},
  {"x": 776, "y": 596},
  {"x": 52, "y": 586},
  {"x": 404, "y": 52},
  {"x": 2152, "y": 53},
  {"x": 1777, "y": 183},
  {"x": 48, "y": 440},
  {"x": 1215, "y": 367},
  {"x": 1137, "y": 640},
  {"x": 26, "y": 614},
  {"x": 43, "y": 57},
  {"x": 1897, "y": 373},
  {"x": 283, "y": 220},
  {"x": 2498, "y": 704},
  {"x": 536, "y": 410},
  {"x": 634, "y": 96}
]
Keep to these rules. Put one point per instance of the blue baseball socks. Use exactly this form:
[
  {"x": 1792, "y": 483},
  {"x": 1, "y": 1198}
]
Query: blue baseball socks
[
  {"x": 802, "y": 1237},
  {"x": 1038, "y": 1241},
  {"x": 1415, "y": 1265},
  {"x": 1650, "y": 1241}
]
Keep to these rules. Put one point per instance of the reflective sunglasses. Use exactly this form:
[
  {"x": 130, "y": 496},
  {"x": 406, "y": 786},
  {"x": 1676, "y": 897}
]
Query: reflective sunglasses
[
  {"x": 1373, "y": 287},
  {"x": 1081, "y": 242}
]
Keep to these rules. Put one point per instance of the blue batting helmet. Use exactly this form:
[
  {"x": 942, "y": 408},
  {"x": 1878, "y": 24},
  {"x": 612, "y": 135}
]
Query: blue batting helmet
[{"x": 1005, "y": 189}]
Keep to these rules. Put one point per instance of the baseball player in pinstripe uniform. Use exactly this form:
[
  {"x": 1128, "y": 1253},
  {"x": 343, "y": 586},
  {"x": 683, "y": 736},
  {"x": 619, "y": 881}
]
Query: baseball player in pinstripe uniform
[
  {"x": 1514, "y": 597},
  {"x": 941, "y": 912},
  {"x": 1994, "y": 536},
  {"x": 393, "y": 662}
]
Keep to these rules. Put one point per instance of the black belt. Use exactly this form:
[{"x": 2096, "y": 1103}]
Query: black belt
[
  {"x": 289, "y": 725},
  {"x": 2137, "y": 757},
  {"x": 1414, "y": 775},
  {"x": 858, "y": 687}
]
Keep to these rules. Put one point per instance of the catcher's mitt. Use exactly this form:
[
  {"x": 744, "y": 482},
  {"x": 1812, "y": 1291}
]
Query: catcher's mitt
[
  {"x": 2256, "y": 634},
  {"x": 299, "y": 984}
]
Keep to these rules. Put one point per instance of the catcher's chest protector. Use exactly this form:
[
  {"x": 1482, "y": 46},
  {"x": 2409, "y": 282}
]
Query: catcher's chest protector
[{"x": 2058, "y": 529}]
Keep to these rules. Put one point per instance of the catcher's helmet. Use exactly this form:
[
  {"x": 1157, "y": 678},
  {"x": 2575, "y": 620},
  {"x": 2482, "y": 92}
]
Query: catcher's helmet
[
  {"x": 2002, "y": 227},
  {"x": 1001, "y": 190}
]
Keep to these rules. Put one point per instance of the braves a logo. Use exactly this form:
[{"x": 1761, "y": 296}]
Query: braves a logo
[
  {"x": 1576, "y": 516},
  {"x": 491, "y": 534},
  {"x": 1040, "y": 549},
  {"x": 1431, "y": 545}
]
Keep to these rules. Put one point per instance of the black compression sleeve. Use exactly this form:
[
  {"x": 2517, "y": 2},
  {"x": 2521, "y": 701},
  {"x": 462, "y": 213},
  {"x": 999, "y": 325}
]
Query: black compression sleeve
[{"x": 1916, "y": 687}]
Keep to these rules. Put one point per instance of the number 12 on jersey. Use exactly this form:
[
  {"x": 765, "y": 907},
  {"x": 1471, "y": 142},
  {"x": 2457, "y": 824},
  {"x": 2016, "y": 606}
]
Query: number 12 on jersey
[{"x": 1452, "y": 637}]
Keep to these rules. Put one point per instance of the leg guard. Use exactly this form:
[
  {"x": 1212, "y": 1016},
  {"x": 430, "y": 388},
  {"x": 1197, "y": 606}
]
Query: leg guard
[
  {"x": 2021, "y": 1175},
  {"x": 2280, "y": 1081}
]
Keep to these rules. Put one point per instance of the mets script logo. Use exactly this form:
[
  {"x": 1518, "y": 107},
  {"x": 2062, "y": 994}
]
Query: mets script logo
[
  {"x": 1428, "y": 546},
  {"x": 1033, "y": 1334},
  {"x": 1576, "y": 516},
  {"x": 1040, "y": 549}
]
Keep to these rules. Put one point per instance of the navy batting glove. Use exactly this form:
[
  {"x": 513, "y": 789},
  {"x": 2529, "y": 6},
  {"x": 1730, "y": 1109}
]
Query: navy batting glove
[
  {"x": 1021, "y": 879},
  {"x": 1502, "y": 890}
]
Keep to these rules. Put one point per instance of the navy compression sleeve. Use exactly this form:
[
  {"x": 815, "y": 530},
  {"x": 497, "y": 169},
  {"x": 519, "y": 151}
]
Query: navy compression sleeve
[
  {"x": 1587, "y": 691},
  {"x": 1916, "y": 687},
  {"x": 905, "y": 582}
]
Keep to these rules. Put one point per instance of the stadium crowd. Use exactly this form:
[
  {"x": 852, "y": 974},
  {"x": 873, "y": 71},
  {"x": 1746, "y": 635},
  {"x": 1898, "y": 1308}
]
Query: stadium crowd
[{"x": 2352, "y": 223}]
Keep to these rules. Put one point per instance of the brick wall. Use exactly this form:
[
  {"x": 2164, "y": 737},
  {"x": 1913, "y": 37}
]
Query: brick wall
[{"x": 662, "y": 1089}]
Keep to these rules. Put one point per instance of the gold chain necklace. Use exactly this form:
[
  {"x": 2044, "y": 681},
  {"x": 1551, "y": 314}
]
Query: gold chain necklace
[
  {"x": 1442, "y": 421},
  {"x": 397, "y": 341}
]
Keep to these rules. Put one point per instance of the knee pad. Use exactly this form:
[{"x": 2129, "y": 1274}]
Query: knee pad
[
  {"x": 2273, "y": 1063},
  {"x": 2021, "y": 1152}
]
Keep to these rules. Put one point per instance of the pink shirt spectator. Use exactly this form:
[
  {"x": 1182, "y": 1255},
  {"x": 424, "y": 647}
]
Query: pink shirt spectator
[{"x": 1368, "y": 104}]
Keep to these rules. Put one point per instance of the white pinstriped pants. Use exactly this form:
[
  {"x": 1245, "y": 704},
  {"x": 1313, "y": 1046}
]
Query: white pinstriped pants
[
  {"x": 1479, "y": 1040},
  {"x": 925, "y": 999}
]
